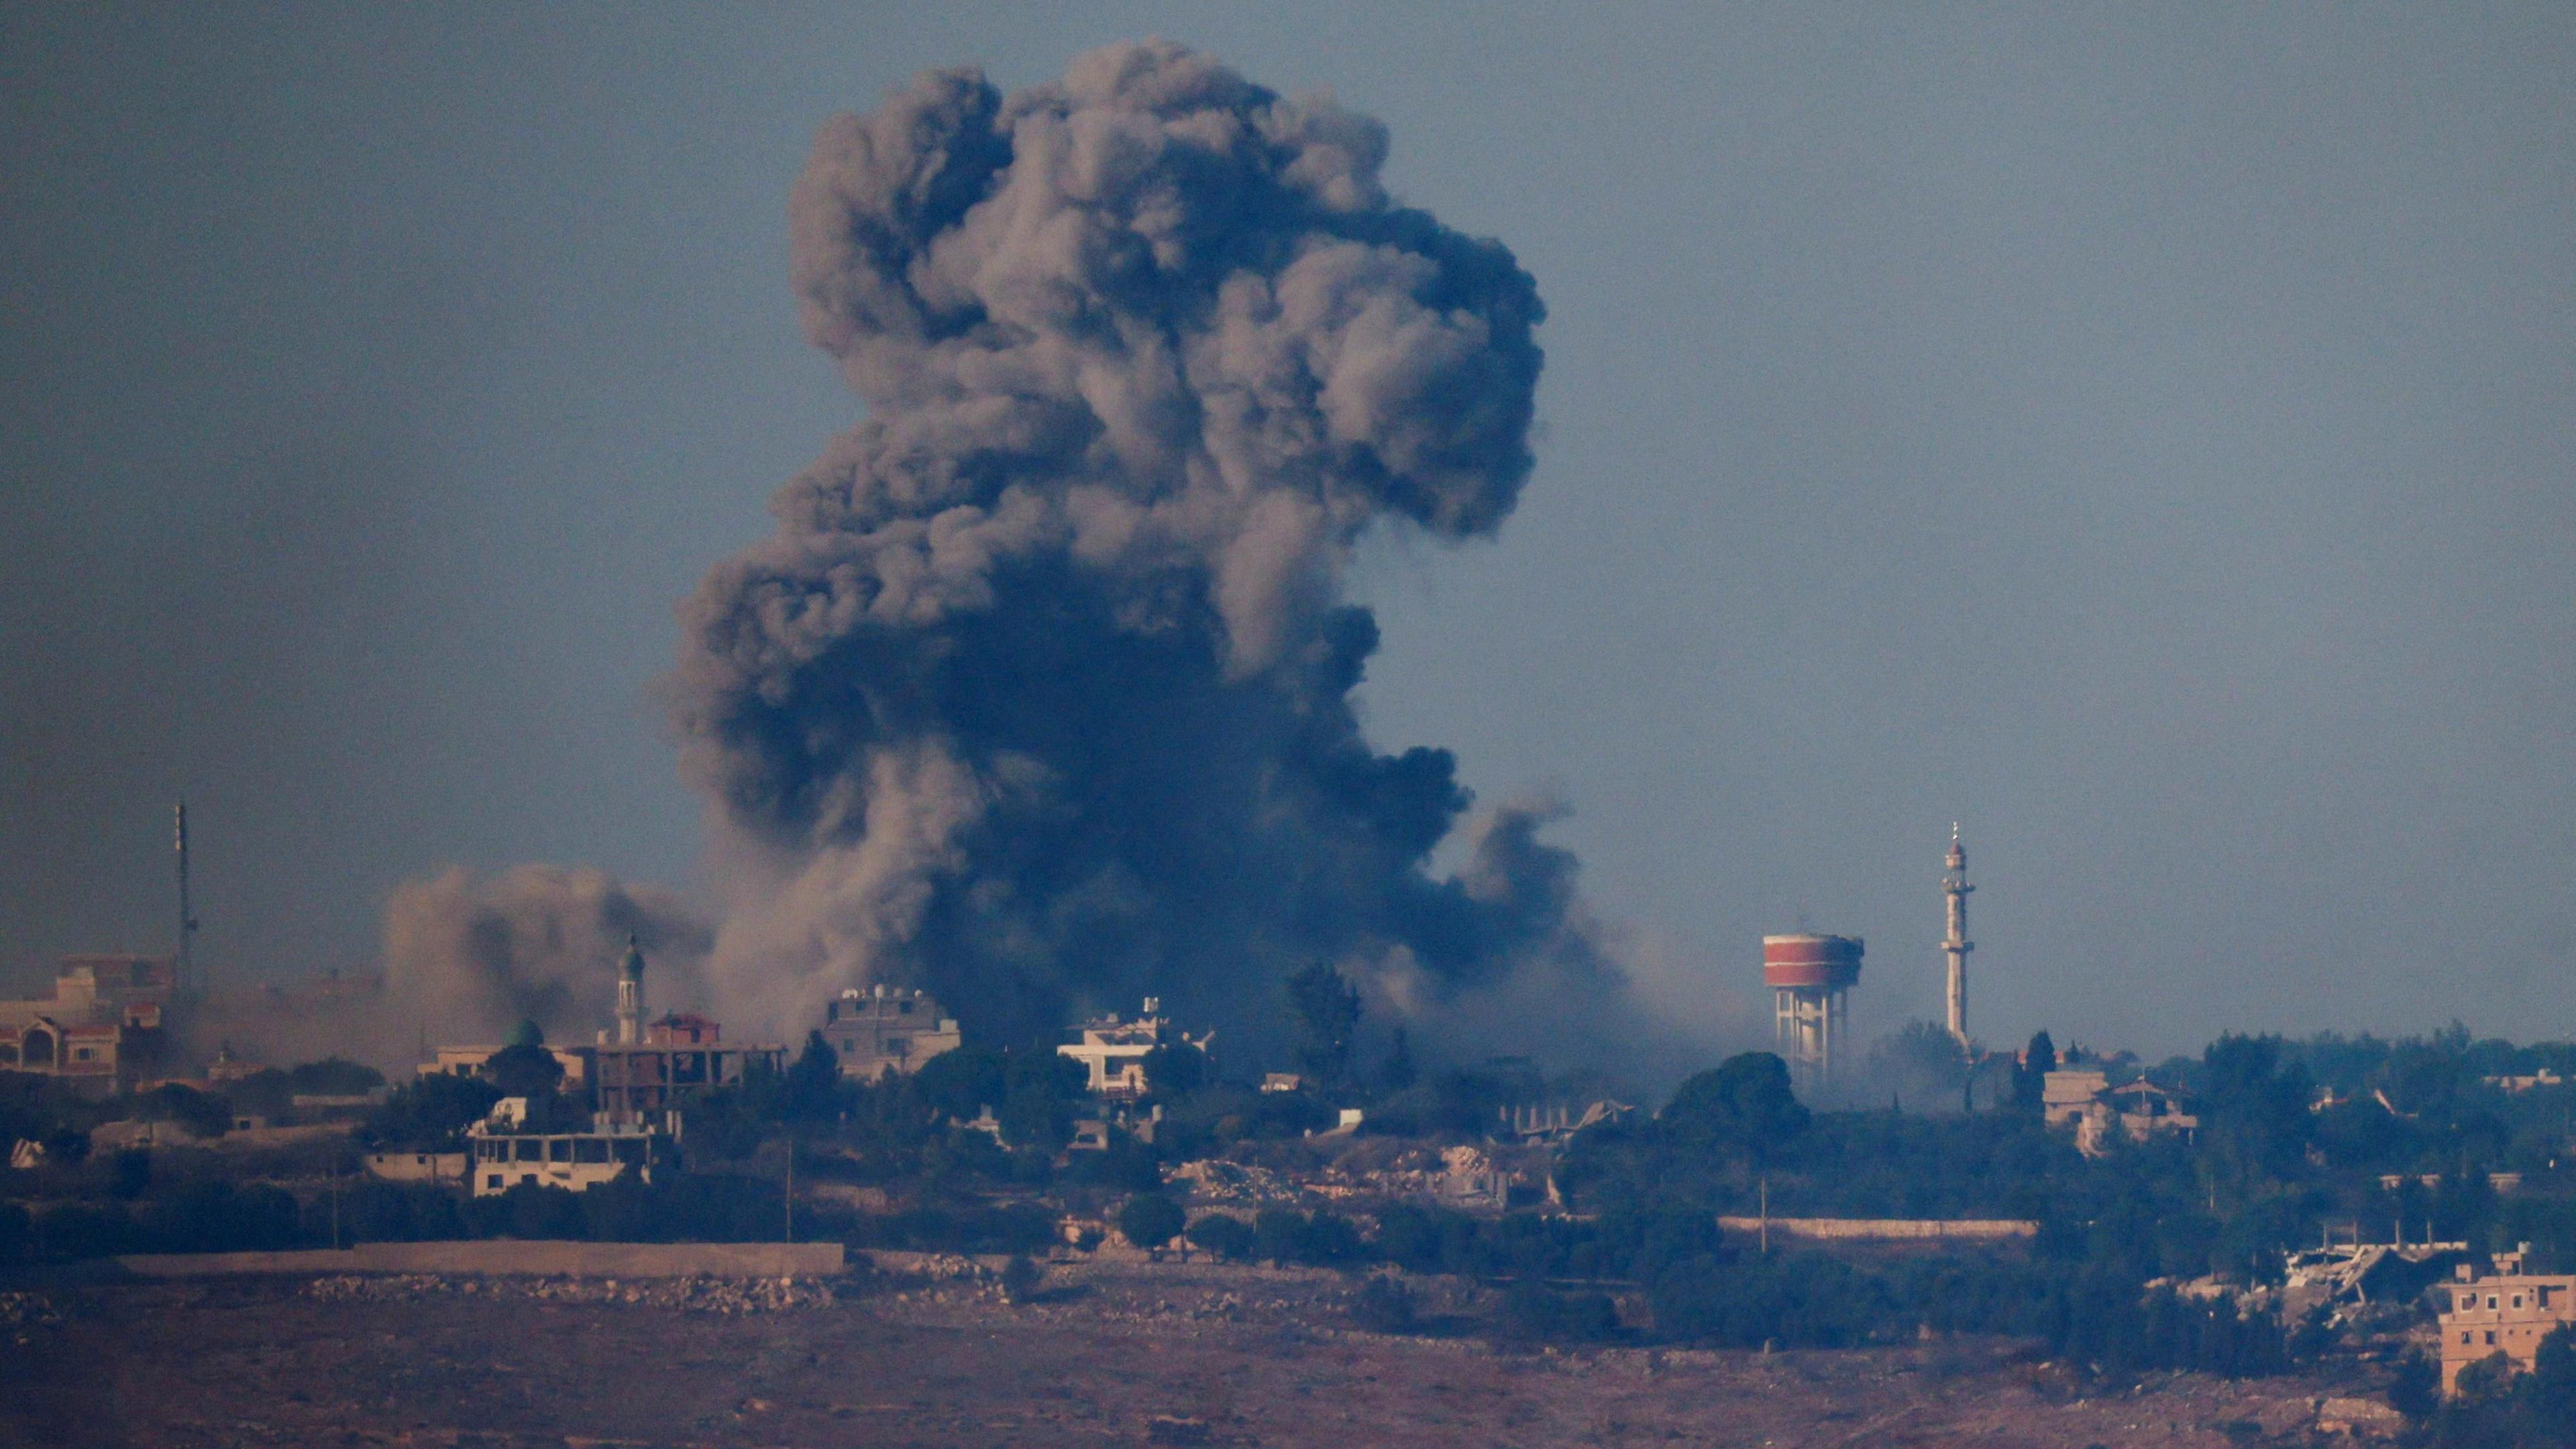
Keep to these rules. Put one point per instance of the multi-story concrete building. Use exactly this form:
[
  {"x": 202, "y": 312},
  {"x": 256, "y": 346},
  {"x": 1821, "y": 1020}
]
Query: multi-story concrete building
[
  {"x": 502, "y": 1154},
  {"x": 887, "y": 1032},
  {"x": 646, "y": 1071},
  {"x": 99, "y": 1028},
  {"x": 2507, "y": 1312},
  {"x": 681, "y": 1055}
]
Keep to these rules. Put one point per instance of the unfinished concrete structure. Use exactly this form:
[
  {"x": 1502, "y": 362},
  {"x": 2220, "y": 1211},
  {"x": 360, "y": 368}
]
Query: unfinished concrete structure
[
  {"x": 680, "y": 1056},
  {"x": 1810, "y": 977},
  {"x": 2506, "y": 1313},
  {"x": 1956, "y": 945},
  {"x": 887, "y": 1032}
]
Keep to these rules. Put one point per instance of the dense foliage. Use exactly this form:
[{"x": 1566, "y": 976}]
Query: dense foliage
[
  {"x": 2295, "y": 1138},
  {"x": 2496, "y": 1409}
]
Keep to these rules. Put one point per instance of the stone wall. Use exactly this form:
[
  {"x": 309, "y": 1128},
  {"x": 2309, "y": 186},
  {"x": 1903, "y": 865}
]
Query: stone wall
[
  {"x": 1888, "y": 1230},
  {"x": 505, "y": 1255}
]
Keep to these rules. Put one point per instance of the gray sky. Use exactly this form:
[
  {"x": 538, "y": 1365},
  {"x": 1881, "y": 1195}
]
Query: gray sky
[{"x": 2142, "y": 435}]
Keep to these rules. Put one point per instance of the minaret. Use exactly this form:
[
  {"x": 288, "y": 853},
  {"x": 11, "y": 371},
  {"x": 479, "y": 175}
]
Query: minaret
[
  {"x": 630, "y": 995},
  {"x": 1954, "y": 884}
]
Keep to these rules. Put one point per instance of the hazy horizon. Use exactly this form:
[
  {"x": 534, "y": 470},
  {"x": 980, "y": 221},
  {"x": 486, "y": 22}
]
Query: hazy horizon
[{"x": 2141, "y": 438}]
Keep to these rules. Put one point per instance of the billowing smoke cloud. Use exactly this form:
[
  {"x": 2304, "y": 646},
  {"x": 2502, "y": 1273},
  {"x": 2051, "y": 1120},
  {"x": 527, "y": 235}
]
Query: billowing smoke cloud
[
  {"x": 1040, "y": 693},
  {"x": 467, "y": 957}
]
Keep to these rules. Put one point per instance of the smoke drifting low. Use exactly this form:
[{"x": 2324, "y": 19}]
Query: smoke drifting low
[
  {"x": 468, "y": 958},
  {"x": 1040, "y": 694}
]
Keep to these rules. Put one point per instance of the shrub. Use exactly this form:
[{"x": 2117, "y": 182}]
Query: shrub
[
  {"x": 1020, "y": 1278},
  {"x": 1531, "y": 1310},
  {"x": 1384, "y": 1305},
  {"x": 2416, "y": 1389},
  {"x": 202, "y": 1113},
  {"x": 1228, "y": 1238},
  {"x": 334, "y": 1077}
]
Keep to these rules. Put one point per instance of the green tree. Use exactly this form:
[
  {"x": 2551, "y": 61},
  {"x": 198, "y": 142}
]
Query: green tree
[
  {"x": 201, "y": 1113},
  {"x": 1227, "y": 1237},
  {"x": 1923, "y": 1062},
  {"x": 525, "y": 1069},
  {"x": 1745, "y": 1105},
  {"x": 1149, "y": 1220},
  {"x": 1397, "y": 1072},
  {"x": 1039, "y": 1093},
  {"x": 2416, "y": 1388},
  {"x": 429, "y": 1115},
  {"x": 1328, "y": 1013},
  {"x": 1384, "y": 1305},
  {"x": 2030, "y": 1079},
  {"x": 334, "y": 1077},
  {"x": 813, "y": 1086},
  {"x": 1175, "y": 1069},
  {"x": 1020, "y": 1278},
  {"x": 959, "y": 1084}
]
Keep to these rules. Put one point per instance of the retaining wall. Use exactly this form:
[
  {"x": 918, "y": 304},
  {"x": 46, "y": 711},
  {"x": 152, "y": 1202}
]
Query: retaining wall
[
  {"x": 1888, "y": 1230},
  {"x": 510, "y": 1256}
]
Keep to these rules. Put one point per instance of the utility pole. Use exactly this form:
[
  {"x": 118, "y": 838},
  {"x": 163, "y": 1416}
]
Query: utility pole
[
  {"x": 1766, "y": 1216},
  {"x": 187, "y": 972}
]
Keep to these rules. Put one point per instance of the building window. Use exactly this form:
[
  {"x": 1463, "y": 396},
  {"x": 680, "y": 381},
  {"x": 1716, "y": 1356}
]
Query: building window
[
  {"x": 2490, "y": 1338},
  {"x": 493, "y": 1181}
]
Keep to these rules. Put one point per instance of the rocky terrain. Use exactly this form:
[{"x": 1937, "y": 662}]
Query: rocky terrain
[{"x": 1105, "y": 1353}]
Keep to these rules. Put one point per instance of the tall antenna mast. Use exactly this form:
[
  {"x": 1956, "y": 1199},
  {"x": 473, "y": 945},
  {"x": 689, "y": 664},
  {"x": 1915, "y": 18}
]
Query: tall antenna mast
[
  {"x": 1954, "y": 885},
  {"x": 187, "y": 975}
]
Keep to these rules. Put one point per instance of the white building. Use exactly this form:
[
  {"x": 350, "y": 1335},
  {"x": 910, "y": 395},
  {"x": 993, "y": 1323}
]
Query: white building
[
  {"x": 1112, "y": 1052},
  {"x": 502, "y": 1155}
]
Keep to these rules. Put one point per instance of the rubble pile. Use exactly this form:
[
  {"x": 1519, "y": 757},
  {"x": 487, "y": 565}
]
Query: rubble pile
[
  {"x": 1458, "y": 1176},
  {"x": 1213, "y": 1180},
  {"x": 689, "y": 1295},
  {"x": 27, "y": 1310},
  {"x": 936, "y": 1266}
]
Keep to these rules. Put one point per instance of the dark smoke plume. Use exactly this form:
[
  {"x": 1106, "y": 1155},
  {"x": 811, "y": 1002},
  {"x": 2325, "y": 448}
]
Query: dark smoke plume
[
  {"x": 467, "y": 958},
  {"x": 1040, "y": 694}
]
